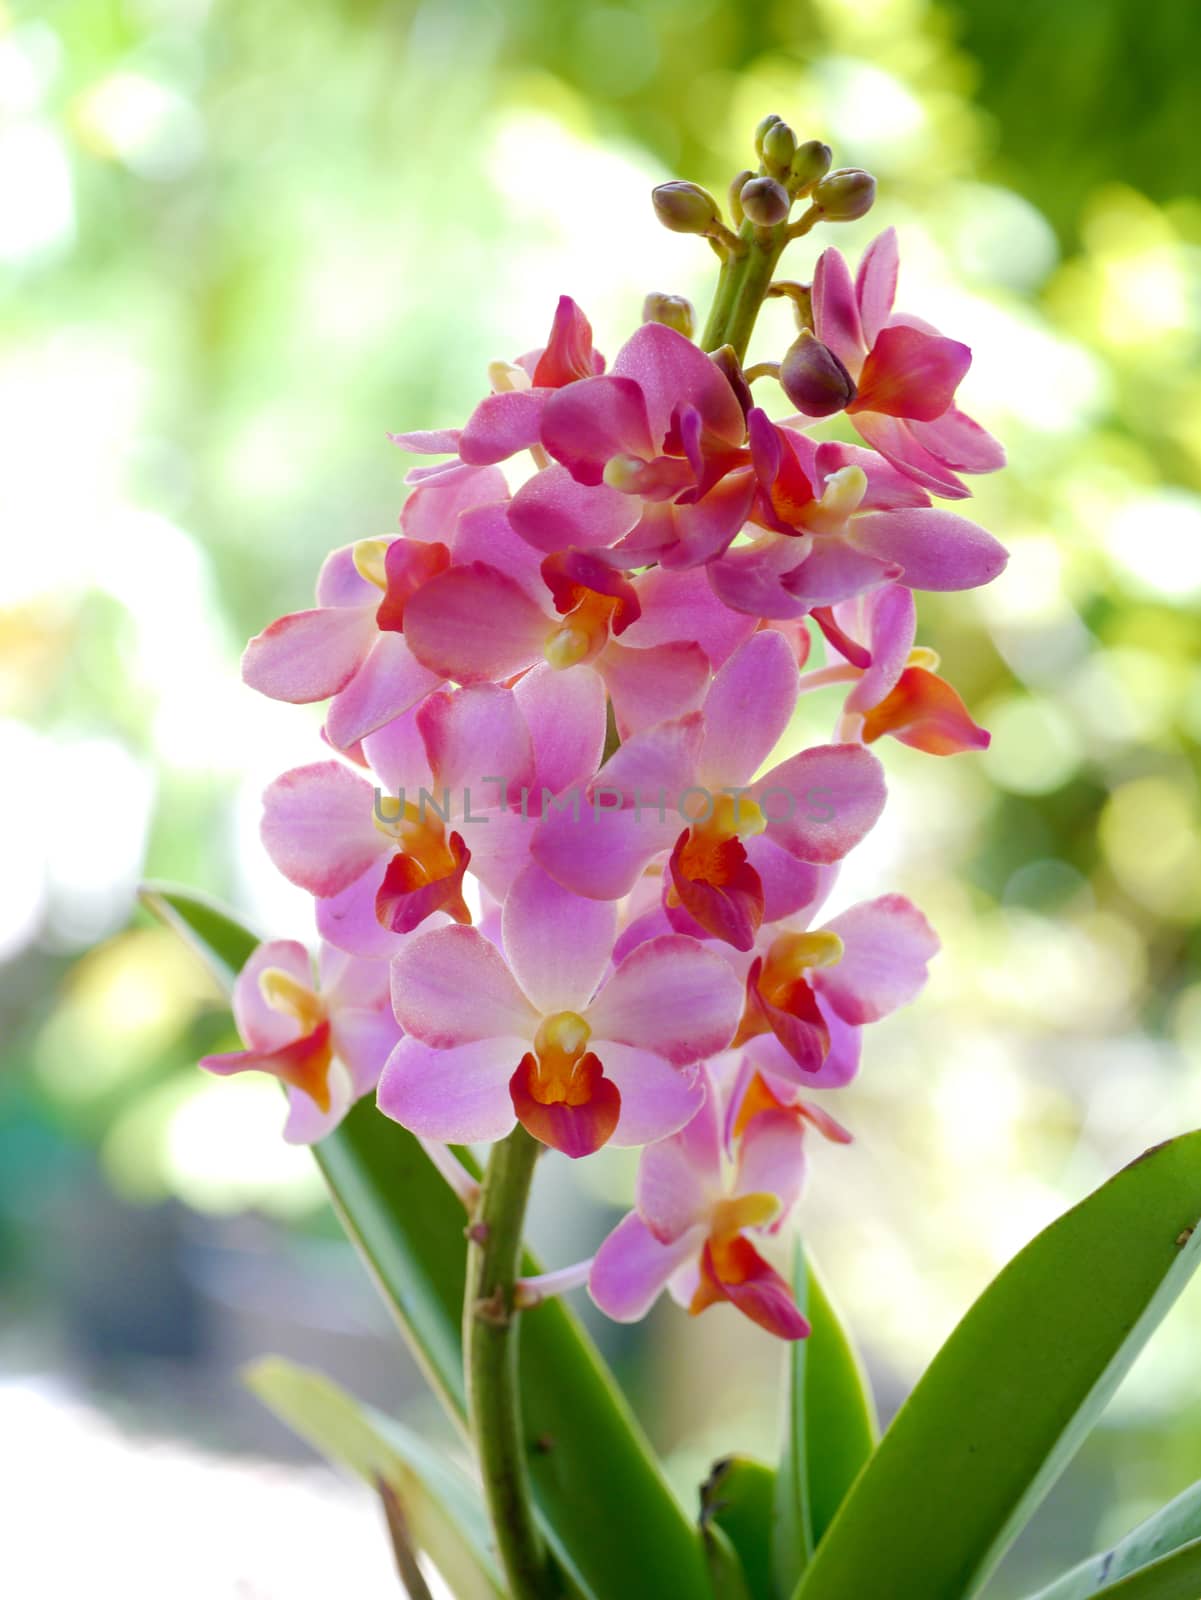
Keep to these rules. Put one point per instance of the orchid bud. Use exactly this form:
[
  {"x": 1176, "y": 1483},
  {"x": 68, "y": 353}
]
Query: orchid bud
[
  {"x": 685, "y": 207},
  {"x": 735, "y": 202},
  {"x": 814, "y": 379},
  {"x": 762, "y": 131},
  {"x": 779, "y": 147},
  {"x": 809, "y": 165},
  {"x": 846, "y": 194},
  {"x": 765, "y": 202},
  {"x": 728, "y": 364},
  {"x": 672, "y": 310}
]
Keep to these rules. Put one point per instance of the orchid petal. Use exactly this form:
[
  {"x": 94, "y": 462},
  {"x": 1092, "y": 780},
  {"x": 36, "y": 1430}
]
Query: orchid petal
[
  {"x": 653, "y": 685},
  {"x": 834, "y": 795},
  {"x": 551, "y": 511},
  {"x": 557, "y": 944},
  {"x": 835, "y": 310},
  {"x": 657, "y": 1099},
  {"x": 474, "y": 736},
  {"x": 565, "y": 714},
  {"x": 887, "y": 944},
  {"x": 260, "y": 1025},
  {"x": 309, "y": 655},
  {"x": 318, "y": 829},
  {"x": 670, "y": 371},
  {"x": 748, "y": 707},
  {"x": 587, "y": 423},
  {"x": 500, "y": 426},
  {"x": 451, "y": 986},
  {"x": 876, "y": 283},
  {"x": 771, "y": 1160},
  {"x": 475, "y": 625},
  {"x": 459, "y": 1095},
  {"x": 936, "y": 549},
  {"x": 631, "y": 1268},
  {"x": 672, "y": 996},
  {"x": 959, "y": 442},
  {"x": 390, "y": 682}
]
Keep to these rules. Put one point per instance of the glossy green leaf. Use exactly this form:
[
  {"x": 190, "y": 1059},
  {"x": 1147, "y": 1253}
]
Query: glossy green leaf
[
  {"x": 613, "y": 1521},
  {"x": 727, "y": 1581},
  {"x": 1015, "y": 1389},
  {"x": 1175, "y": 1525},
  {"x": 1173, "y": 1577},
  {"x": 442, "y": 1508},
  {"x": 829, "y": 1430},
  {"x": 738, "y": 1497}
]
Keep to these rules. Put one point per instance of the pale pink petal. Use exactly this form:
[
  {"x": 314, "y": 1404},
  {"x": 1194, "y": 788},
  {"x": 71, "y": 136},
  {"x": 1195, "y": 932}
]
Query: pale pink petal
[
  {"x": 345, "y": 980},
  {"x": 893, "y": 623},
  {"x": 747, "y": 708},
  {"x": 680, "y": 1178},
  {"x": 835, "y": 572},
  {"x": 340, "y": 583},
  {"x": 451, "y": 986},
  {"x": 836, "y": 311},
  {"x": 821, "y": 803},
  {"x": 557, "y": 944},
  {"x": 433, "y": 509},
  {"x": 460, "y": 1095},
  {"x": 500, "y": 426},
  {"x": 631, "y": 1268},
  {"x": 309, "y": 655},
  {"x": 895, "y": 440},
  {"x": 551, "y": 511},
  {"x": 671, "y": 371},
  {"x": 681, "y": 607},
  {"x": 306, "y": 1122},
  {"x": 601, "y": 852},
  {"x": 876, "y": 283},
  {"x": 959, "y": 442},
  {"x": 771, "y": 1159},
  {"x": 318, "y": 827},
  {"x": 348, "y": 920},
  {"x": 657, "y": 1099},
  {"x": 362, "y": 1040},
  {"x": 475, "y": 736},
  {"x": 936, "y": 549},
  {"x": 565, "y": 713},
  {"x": 789, "y": 885},
  {"x": 476, "y": 625},
  {"x": 587, "y": 423},
  {"x": 261, "y": 1026},
  {"x": 500, "y": 841},
  {"x": 887, "y": 945},
  {"x": 484, "y": 533},
  {"x": 658, "y": 765},
  {"x": 653, "y": 685},
  {"x": 428, "y": 441},
  {"x": 390, "y": 681},
  {"x": 671, "y": 996},
  {"x": 396, "y": 753}
]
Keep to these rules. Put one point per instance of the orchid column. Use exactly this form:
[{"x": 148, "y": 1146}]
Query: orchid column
[{"x": 568, "y": 867}]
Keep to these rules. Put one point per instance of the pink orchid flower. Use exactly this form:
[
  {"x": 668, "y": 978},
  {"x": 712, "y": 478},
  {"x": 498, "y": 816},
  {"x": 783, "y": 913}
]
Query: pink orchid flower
[
  {"x": 650, "y": 459},
  {"x": 461, "y": 780},
  {"x": 695, "y": 1218},
  {"x": 510, "y": 419},
  {"x": 351, "y": 648},
  {"x": 906, "y": 373},
  {"x": 477, "y": 625},
  {"x": 839, "y": 521},
  {"x": 810, "y": 990},
  {"x": 742, "y": 850},
  {"x": 895, "y": 688},
  {"x": 535, "y": 1032},
  {"x": 326, "y": 1042}
]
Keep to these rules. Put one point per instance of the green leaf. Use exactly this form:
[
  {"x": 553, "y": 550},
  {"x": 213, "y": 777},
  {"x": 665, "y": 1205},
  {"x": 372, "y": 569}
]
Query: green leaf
[
  {"x": 738, "y": 1497},
  {"x": 1173, "y": 1577},
  {"x": 443, "y": 1512},
  {"x": 1015, "y": 1389},
  {"x": 829, "y": 1430},
  {"x": 612, "y": 1519},
  {"x": 1174, "y": 1525},
  {"x": 727, "y": 1581}
]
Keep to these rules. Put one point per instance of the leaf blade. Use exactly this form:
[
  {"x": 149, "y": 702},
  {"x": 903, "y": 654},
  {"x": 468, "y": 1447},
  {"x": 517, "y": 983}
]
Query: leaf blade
[{"x": 1171, "y": 1527}]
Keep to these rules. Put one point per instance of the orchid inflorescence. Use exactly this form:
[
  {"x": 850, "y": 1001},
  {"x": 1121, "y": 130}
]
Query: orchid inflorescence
[{"x": 563, "y": 876}]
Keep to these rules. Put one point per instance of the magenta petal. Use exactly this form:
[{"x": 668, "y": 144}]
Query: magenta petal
[
  {"x": 557, "y": 944},
  {"x": 552, "y": 511},
  {"x": 475, "y": 737},
  {"x": 821, "y": 803},
  {"x": 935, "y": 549},
  {"x": 598, "y": 851},
  {"x": 565, "y": 714},
  {"x": 835, "y": 571},
  {"x": 789, "y": 885},
  {"x": 705, "y": 528},
  {"x": 650, "y": 686},
  {"x": 657, "y": 1099},
  {"x": 451, "y": 986},
  {"x": 682, "y": 606},
  {"x": 672, "y": 996},
  {"x": 876, "y": 283},
  {"x": 893, "y": 622},
  {"x": 433, "y": 509},
  {"x": 897, "y": 443},
  {"x": 748, "y": 707},
  {"x": 484, "y": 533},
  {"x": 887, "y": 945},
  {"x": 318, "y": 829},
  {"x": 587, "y": 423},
  {"x": 671, "y": 371},
  {"x": 568, "y": 354},
  {"x": 910, "y": 373},
  {"x": 657, "y": 766},
  {"x": 836, "y": 311},
  {"x": 631, "y": 1268},
  {"x": 748, "y": 579},
  {"x": 390, "y": 682},
  {"x": 309, "y": 655},
  {"x": 474, "y": 624},
  {"x": 458, "y": 1095},
  {"x": 428, "y": 441},
  {"x": 501, "y": 425},
  {"x": 959, "y": 443}
]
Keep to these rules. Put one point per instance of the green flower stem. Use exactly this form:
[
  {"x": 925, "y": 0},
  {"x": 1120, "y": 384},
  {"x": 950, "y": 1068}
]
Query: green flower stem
[
  {"x": 490, "y": 1332},
  {"x": 743, "y": 283}
]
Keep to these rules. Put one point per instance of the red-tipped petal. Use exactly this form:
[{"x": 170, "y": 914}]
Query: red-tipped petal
[
  {"x": 912, "y": 374},
  {"x": 925, "y": 712},
  {"x": 576, "y": 1118},
  {"x": 735, "y": 1271},
  {"x": 410, "y": 892},
  {"x": 717, "y": 885}
]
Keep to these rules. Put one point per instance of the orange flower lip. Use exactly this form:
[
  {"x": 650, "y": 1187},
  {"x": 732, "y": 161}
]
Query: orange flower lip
[{"x": 561, "y": 1094}]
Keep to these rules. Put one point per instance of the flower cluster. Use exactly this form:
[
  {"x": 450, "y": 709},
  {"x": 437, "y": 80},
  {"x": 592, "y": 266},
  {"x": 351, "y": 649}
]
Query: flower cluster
[{"x": 569, "y": 864}]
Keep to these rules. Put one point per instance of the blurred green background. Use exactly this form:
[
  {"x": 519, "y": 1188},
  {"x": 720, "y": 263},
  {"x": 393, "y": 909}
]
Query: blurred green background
[{"x": 239, "y": 242}]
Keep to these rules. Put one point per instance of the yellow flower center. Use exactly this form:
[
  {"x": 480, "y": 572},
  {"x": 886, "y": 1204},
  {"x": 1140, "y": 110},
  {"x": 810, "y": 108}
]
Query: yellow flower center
[
  {"x": 740, "y": 1211},
  {"x": 287, "y": 994}
]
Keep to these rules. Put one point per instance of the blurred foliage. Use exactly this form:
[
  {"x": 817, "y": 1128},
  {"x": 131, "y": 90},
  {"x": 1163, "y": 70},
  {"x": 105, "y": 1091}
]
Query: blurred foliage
[{"x": 240, "y": 242}]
